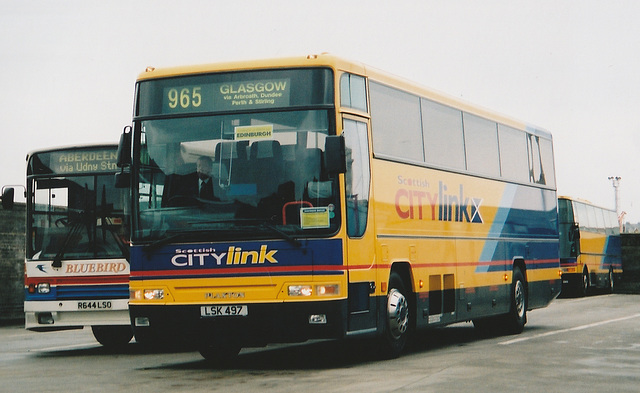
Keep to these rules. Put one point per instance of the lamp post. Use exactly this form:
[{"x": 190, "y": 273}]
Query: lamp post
[{"x": 615, "y": 181}]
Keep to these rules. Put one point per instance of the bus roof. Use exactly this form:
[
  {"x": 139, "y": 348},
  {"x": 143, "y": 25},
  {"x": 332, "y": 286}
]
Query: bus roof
[
  {"x": 586, "y": 202},
  {"x": 341, "y": 64}
]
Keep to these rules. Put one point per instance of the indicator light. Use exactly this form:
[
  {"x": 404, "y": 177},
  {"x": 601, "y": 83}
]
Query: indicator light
[
  {"x": 327, "y": 290},
  {"x": 135, "y": 294}
]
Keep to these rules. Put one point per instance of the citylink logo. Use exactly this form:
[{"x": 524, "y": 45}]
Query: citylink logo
[
  {"x": 233, "y": 256},
  {"x": 436, "y": 206}
]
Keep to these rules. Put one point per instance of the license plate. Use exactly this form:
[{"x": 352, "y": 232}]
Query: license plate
[
  {"x": 95, "y": 305},
  {"x": 224, "y": 311}
]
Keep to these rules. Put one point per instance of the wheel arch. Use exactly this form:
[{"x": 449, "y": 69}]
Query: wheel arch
[
  {"x": 403, "y": 269},
  {"x": 521, "y": 264}
]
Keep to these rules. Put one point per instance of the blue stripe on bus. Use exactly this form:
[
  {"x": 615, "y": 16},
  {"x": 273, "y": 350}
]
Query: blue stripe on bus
[
  {"x": 77, "y": 292},
  {"x": 491, "y": 246},
  {"x": 183, "y": 258},
  {"x": 507, "y": 224}
]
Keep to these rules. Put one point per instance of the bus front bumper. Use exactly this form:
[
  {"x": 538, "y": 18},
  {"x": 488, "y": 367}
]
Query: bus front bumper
[{"x": 263, "y": 324}]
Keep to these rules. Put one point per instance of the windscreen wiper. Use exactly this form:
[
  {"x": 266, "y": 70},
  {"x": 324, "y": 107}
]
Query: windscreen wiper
[
  {"x": 261, "y": 223},
  {"x": 78, "y": 218},
  {"x": 282, "y": 233},
  {"x": 163, "y": 241},
  {"x": 72, "y": 234},
  {"x": 175, "y": 236}
]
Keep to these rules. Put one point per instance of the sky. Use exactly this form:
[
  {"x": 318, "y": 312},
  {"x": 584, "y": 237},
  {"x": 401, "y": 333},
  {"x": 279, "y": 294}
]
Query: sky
[{"x": 68, "y": 68}]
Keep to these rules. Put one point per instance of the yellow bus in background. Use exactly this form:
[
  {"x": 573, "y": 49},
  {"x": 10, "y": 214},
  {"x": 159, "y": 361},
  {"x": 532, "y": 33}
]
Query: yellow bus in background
[
  {"x": 590, "y": 248},
  {"x": 345, "y": 203}
]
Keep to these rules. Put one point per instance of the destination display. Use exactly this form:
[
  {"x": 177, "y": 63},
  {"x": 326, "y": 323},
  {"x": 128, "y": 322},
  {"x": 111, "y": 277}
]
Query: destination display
[
  {"x": 76, "y": 161},
  {"x": 238, "y": 91},
  {"x": 227, "y": 96}
]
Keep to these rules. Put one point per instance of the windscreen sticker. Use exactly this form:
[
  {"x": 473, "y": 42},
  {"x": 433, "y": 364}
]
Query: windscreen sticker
[
  {"x": 243, "y": 133},
  {"x": 314, "y": 217}
]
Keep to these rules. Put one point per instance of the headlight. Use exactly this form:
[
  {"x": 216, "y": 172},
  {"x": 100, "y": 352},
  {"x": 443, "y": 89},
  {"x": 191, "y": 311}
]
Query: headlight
[
  {"x": 44, "y": 287},
  {"x": 300, "y": 290},
  {"x": 154, "y": 294},
  {"x": 318, "y": 290}
]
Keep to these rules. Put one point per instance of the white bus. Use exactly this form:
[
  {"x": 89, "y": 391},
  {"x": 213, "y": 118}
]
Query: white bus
[{"x": 76, "y": 268}]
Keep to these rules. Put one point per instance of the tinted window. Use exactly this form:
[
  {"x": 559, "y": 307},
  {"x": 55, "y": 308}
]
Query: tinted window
[
  {"x": 513, "y": 149},
  {"x": 481, "y": 144},
  {"x": 540, "y": 160},
  {"x": 546, "y": 157},
  {"x": 396, "y": 123},
  {"x": 357, "y": 176},
  {"x": 353, "y": 93},
  {"x": 591, "y": 212},
  {"x": 600, "y": 218},
  {"x": 582, "y": 216},
  {"x": 443, "y": 140}
]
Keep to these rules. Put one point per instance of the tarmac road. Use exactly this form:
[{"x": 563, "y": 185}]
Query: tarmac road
[{"x": 574, "y": 345}]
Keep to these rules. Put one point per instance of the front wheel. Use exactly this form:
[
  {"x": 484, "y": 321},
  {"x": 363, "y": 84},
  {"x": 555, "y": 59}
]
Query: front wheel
[
  {"x": 397, "y": 320},
  {"x": 611, "y": 278},
  {"x": 517, "y": 316},
  {"x": 584, "y": 288}
]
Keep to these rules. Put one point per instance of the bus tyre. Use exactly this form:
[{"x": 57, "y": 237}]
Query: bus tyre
[
  {"x": 611, "y": 283},
  {"x": 584, "y": 288},
  {"x": 397, "y": 319},
  {"x": 112, "y": 336},
  {"x": 517, "y": 316}
]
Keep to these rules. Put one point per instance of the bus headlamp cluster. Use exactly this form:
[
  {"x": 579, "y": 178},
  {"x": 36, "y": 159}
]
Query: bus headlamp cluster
[
  {"x": 154, "y": 294},
  {"x": 318, "y": 290},
  {"x": 42, "y": 288},
  {"x": 146, "y": 294}
]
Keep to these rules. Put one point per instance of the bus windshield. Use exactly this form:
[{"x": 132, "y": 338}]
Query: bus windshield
[
  {"x": 74, "y": 210},
  {"x": 235, "y": 176}
]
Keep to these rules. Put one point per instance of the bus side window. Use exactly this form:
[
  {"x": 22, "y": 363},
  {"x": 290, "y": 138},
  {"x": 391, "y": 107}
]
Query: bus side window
[{"x": 357, "y": 176}]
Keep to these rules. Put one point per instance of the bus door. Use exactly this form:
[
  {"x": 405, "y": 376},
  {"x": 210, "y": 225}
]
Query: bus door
[{"x": 360, "y": 235}]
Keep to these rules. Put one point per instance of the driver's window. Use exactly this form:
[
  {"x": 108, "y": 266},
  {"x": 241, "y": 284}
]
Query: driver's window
[{"x": 357, "y": 176}]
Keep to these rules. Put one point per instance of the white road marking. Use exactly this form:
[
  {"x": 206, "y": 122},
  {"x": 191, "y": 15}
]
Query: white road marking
[
  {"x": 65, "y": 347},
  {"x": 582, "y": 327}
]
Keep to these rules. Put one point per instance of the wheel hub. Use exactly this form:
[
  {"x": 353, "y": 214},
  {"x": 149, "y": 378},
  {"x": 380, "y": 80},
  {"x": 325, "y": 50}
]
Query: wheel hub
[
  {"x": 519, "y": 298},
  {"x": 398, "y": 311}
]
